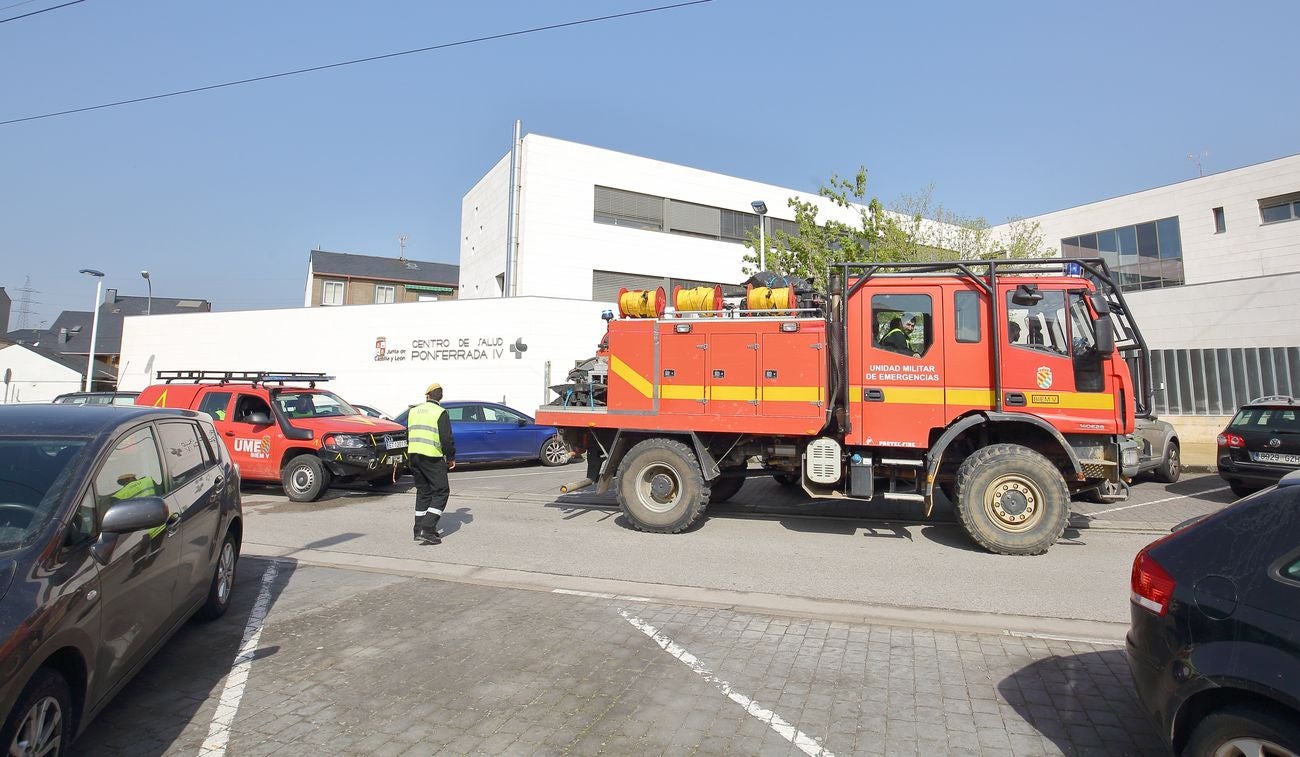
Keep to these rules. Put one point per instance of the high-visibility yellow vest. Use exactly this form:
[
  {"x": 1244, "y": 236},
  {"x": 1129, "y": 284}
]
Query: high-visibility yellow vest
[
  {"x": 141, "y": 487},
  {"x": 422, "y": 436}
]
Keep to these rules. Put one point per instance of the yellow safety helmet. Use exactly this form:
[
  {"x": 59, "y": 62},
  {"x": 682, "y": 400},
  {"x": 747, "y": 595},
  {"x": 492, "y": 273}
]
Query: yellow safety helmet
[{"x": 434, "y": 386}]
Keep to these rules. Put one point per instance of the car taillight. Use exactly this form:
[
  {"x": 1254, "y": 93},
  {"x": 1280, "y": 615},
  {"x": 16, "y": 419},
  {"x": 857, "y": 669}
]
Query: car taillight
[
  {"x": 1152, "y": 587},
  {"x": 1231, "y": 440}
]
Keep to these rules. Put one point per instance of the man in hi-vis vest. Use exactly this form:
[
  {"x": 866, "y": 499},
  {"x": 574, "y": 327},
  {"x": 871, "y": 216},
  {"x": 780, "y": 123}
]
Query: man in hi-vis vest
[{"x": 432, "y": 453}]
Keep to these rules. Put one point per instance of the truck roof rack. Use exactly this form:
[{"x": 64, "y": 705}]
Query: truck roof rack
[{"x": 242, "y": 377}]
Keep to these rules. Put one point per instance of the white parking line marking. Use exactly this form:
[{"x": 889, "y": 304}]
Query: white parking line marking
[
  {"x": 219, "y": 732},
  {"x": 599, "y": 595},
  {"x": 1158, "y": 501},
  {"x": 504, "y": 475},
  {"x": 802, "y": 741}
]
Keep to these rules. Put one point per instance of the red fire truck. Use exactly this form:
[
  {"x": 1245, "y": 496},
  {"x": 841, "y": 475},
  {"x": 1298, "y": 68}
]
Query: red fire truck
[{"x": 1004, "y": 384}]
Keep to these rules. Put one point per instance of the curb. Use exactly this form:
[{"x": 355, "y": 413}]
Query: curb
[{"x": 1100, "y": 632}]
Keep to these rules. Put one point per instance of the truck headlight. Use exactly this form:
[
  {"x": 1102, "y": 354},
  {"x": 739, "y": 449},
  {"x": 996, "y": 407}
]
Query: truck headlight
[{"x": 345, "y": 441}]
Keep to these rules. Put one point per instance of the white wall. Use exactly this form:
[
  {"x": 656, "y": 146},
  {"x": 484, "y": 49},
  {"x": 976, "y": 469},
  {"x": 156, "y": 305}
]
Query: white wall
[
  {"x": 560, "y": 243},
  {"x": 421, "y": 343},
  {"x": 1254, "y": 312},
  {"x": 35, "y": 377}
]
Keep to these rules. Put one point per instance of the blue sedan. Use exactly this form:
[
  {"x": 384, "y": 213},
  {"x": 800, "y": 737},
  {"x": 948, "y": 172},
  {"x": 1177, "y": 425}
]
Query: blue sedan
[{"x": 487, "y": 432}]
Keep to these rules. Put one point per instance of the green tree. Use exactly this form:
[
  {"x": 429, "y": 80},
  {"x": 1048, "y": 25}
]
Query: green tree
[{"x": 915, "y": 228}]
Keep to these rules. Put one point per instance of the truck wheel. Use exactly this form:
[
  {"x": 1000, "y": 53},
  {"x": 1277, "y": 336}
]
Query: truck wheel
[
  {"x": 1172, "y": 467},
  {"x": 660, "y": 487},
  {"x": 1012, "y": 500},
  {"x": 554, "y": 452},
  {"x": 724, "y": 488},
  {"x": 305, "y": 478}
]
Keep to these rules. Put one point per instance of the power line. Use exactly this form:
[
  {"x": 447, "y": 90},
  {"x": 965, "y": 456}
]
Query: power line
[
  {"x": 39, "y": 12},
  {"x": 15, "y": 5},
  {"x": 355, "y": 61}
]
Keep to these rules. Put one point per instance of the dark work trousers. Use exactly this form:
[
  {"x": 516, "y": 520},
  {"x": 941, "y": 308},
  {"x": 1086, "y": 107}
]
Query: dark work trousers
[{"x": 431, "y": 490}]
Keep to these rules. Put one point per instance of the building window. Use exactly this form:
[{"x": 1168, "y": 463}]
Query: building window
[
  {"x": 1276, "y": 209},
  {"x": 622, "y": 208},
  {"x": 1220, "y": 225},
  {"x": 1143, "y": 256},
  {"x": 332, "y": 293},
  {"x": 385, "y": 294},
  {"x": 619, "y": 207}
]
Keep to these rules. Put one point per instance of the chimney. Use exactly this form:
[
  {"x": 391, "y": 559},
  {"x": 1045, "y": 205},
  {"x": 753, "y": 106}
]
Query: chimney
[
  {"x": 63, "y": 336},
  {"x": 110, "y": 296}
]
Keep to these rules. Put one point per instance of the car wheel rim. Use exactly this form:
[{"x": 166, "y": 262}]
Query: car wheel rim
[
  {"x": 554, "y": 451},
  {"x": 41, "y": 731},
  {"x": 225, "y": 572},
  {"x": 659, "y": 487},
  {"x": 302, "y": 479},
  {"x": 1013, "y": 502},
  {"x": 1173, "y": 462},
  {"x": 1249, "y": 747}
]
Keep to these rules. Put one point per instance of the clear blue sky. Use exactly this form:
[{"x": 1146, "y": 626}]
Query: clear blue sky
[{"x": 1009, "y": 109}]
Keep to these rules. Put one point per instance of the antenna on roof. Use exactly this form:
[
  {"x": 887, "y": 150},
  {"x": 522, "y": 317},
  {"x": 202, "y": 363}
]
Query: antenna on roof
[
  {"x": 1195, "y": 158},
  {"x": 401, "y": 243}
]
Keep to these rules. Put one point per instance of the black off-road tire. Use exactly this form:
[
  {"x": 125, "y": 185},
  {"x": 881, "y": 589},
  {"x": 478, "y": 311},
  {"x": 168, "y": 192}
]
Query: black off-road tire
[
  {"x": 660, "y": 487},
  {"x": 1011, "y": 500},
  {"x": 305, "y": 478},
  {"x": 554, "y": 452},
  {"x": 724, "y": 488},
  {"x": 1171, "y": 467},
  {"x": 46, "y": 689},
  {"x": 223, "y": 580},
  {"x": 1248, "y": 723}
]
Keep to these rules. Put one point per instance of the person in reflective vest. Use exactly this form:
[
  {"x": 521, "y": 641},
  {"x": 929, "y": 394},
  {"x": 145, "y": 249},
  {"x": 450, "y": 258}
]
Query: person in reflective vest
[{"x": 432, "y": 452}]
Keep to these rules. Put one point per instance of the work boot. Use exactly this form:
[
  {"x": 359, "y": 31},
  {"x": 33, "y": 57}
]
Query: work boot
[
  {"x": 417, "y": 532},
  {"x": 429, "y": 536}
]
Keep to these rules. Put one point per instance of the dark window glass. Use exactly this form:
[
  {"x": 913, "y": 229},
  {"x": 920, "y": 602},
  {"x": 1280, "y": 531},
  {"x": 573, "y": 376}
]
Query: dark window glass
[
  {"x": 183, "y": 450},
  {"x": 216, "y": 404},
  {"x": 132, "y": 469},
  {"x": 903, "y": 323},
  {"x": 1220, "y": 223},
  {"x": 1274, "y": 213},
  {"x": 1292, "y": 571},
  {"x": 1148, "y": 241},
  {"x": 1041, "y": 326},
  {"x": 1171, "y": 241},
  {"x": 1088, "y": 244},
  {"x": 966, "y": 307}
]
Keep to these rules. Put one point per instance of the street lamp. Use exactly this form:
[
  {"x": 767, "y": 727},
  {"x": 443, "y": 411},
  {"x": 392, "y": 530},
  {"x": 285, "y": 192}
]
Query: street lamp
[
  {"x": 148, "y": 308},
  {"x": 94, "y": 323},
  {"x": 760, "y": 208}
]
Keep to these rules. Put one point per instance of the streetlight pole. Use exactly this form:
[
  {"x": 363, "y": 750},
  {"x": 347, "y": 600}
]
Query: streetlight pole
[
  {"x": 760, "y": 208},
  {"x": 94, "y": 323},
  {"x": 148, "y": 308}
]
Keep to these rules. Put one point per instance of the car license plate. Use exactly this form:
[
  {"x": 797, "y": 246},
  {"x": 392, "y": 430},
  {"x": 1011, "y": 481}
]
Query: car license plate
[
  {"x": 1274, "y": 457},
  {"x": 395, "y": 444},
  {"x": 394, "y": 459}
]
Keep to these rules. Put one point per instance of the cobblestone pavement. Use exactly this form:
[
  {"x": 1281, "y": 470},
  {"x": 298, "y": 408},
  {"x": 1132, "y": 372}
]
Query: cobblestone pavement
[{"x": 366, "y": 664}]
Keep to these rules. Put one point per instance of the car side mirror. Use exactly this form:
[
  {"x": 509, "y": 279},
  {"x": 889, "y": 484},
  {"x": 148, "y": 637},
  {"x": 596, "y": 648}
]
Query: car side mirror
[
  {"x": 1105, "y": 329},
  {"x": 138, "y": 514},
  {"x": 522, "y": 421},
  {"x": 258, "y": 419}
]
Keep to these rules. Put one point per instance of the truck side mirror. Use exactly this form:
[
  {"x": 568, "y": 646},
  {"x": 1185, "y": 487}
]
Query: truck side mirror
[
  {"x": 1026, "y": 294},
  {"x": 1105, "y": 329}
]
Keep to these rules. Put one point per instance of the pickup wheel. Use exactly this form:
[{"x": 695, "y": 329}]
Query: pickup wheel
[
  {"x": 724, "y": 488},
  {"x": 660, "y": 487},
  {"x": 305, "y": 478},
  {"x": 1171, "y": 467},
  {"x": 1012, "y": 500}
]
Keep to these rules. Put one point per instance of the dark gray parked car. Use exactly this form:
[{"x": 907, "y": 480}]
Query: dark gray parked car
[
  {"x": 1159, "y": 456},
  {"x": 116, "y": 525}
]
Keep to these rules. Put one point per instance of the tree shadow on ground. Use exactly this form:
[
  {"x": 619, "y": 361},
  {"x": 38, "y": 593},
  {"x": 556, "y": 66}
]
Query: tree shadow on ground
[{"x": 1083, "y": 703}]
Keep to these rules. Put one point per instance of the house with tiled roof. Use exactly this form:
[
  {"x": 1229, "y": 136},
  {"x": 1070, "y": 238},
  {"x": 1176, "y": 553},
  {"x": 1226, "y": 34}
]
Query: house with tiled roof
[{"x": 338, "y": 278}]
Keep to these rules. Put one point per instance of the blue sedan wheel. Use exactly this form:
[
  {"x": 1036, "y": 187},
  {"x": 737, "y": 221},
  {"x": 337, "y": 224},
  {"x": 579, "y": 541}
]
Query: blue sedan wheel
[{"x": 554, "y": 452}]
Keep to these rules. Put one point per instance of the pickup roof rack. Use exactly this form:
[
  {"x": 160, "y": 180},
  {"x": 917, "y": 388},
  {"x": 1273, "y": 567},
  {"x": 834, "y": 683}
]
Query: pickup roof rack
[{"x": 243, "y": 377}]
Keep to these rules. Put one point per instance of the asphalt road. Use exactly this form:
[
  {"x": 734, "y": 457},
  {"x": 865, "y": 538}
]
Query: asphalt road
[{"x": 767, "y": 549}]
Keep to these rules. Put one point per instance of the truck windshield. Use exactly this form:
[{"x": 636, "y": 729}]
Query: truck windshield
[{"x": 313, "y": 405}]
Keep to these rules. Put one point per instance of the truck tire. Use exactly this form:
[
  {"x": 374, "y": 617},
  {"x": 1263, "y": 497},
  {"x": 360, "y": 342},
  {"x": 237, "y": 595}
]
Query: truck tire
[
  {"x": 305, "y": 478},
  {"x": 1171, "y": 467},
  {"x": 1011, "y": 500},
  {"x": 724, "y": 488},
  {"x": 660, "y": 487}
]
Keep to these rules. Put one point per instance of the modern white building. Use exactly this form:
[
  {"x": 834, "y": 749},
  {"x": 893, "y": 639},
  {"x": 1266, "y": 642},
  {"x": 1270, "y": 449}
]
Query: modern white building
[{"x": 1211, "y": 266}]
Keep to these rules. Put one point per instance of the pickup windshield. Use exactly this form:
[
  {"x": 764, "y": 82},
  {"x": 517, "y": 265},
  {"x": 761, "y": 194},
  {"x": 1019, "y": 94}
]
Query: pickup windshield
[{"x": 313, "y": 405}]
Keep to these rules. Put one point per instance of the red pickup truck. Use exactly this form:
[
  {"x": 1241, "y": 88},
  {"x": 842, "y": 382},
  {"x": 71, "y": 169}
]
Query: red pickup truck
[{"x": 278, "y": 426}]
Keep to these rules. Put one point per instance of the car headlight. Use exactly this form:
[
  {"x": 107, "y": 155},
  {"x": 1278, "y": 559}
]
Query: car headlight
[
  {"x": 345, "y": 441},
  {"x": 1130, "y": 456}
]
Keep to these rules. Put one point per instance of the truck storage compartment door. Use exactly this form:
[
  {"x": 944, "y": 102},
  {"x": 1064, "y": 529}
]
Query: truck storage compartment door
[
  {"x": 794, "y": 373},
  {"x": 681, "y": 371},
  {"x": 732, "y": 374}
]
